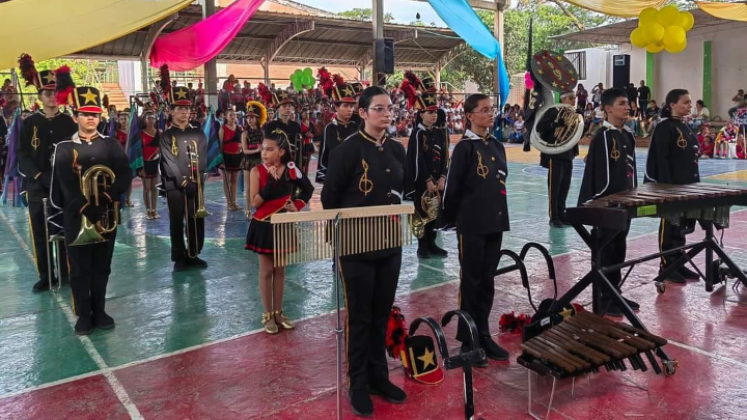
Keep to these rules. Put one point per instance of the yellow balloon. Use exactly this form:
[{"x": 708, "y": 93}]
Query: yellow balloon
[
  {"x": 654, "y": 48},
  {"x": 668, "y": 16},
  {"x": 638, "y": 38},
  {"x": 647, "y": 15},
  {"x": 653, "y": 32},
  {"x": 686, "y": 21},
  {"x": 677, "y": 48},
  {"x": 673, "y": 37}
]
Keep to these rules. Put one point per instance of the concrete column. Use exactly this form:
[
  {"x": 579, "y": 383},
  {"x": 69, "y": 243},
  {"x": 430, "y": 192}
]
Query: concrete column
[
  {"x": 144, "y": 82},
  {"x": 378, "y": 33},
  {"x": 266, "y": 68},
  {"x": 498, "y": 32},
  {"x": 211, "y": 67}
]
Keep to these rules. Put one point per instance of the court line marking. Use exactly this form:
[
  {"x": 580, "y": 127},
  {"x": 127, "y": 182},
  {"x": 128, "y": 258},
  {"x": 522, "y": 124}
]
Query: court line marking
[
  {"x": 110, "y": 370},
  {"x": 114, "y": 383}
]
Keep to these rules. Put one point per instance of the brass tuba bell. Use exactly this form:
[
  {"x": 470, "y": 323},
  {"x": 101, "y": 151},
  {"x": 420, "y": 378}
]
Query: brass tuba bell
[
  {"x": 96, "y": 179},
  {"x": 430, "y": 202}
]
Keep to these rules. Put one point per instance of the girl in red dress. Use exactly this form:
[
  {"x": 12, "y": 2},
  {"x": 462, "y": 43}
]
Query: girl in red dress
[
  {"x": 271, "y": 185},
  {"x": 121, "y": 134},
  {"x": 151, "y": 157},
  {"x": 230, "y": 140}
]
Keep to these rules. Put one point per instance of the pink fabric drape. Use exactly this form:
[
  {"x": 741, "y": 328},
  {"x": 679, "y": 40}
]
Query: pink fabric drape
[{"x": 195, "y": 45}]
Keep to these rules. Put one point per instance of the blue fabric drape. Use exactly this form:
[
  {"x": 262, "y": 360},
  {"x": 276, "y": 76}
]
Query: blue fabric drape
[{"x": 464, "y": 21}]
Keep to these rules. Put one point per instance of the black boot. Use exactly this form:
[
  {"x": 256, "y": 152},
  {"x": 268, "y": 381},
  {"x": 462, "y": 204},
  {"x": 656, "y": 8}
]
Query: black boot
[
  {"x": 197, "y": 262},
  {"x": 423, "y": 251},
  {"x": 41, "y": 286},
  {"x": 84, "y": 326},
  {"x": 493, "y": 350},
  {"x": 361, "y": 402},
  {"x": 387, "y": 390},
  {"x": 180, "y": 265},
  {"x": 103, "y": 320},
  {"x": 434, "y": 249}
]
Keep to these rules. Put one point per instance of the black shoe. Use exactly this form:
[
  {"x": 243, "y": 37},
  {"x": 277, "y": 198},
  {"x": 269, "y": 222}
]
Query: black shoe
[
  {"x": 197, "y": 262},
  {"x": 436, "y": 250},
  {"x": 423, "y": 252},
  {"x": 180, "y": 265},
  {"x": 361, "y": 402},
  {"x": 84, "y": 326},
  {"x": 480, "y": 364},
  {"x": 387, "y": 390},
  {"x": 493, "y": 350},
  {"x": 688, "y": 274},
  {"x": 676, "y": 278},
  {"x": 565, "y": 221},
  {"x": 103, "y": 321},
  {"x": 556, "y": 223},
  {"x": 633, "y": 304},
  {"x": 41, "y": 286},
  {"x": 612, "y": 309}
]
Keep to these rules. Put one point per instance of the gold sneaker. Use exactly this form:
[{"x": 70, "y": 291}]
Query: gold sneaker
[
  {"x": 270, "y": 327},
  {"x": 287, "y": 325}
]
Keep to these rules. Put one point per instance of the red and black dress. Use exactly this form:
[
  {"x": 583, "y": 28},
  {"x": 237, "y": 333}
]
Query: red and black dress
[
  {"x": 253, "y": 142},
  {"x": 275, "y": 193},
  {"x": 232, "y": 155},
  {"x": 151, "y": 153}
]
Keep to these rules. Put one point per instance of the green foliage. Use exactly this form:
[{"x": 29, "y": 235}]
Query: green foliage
[
  {"x": 364, "y": 15},
  {"x": 80, "y": 70},
  {"x": 549, "y": 20}
]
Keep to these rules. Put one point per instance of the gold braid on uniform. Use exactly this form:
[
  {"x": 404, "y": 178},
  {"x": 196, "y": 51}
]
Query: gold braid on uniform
[
  {"x": 174, "y": 147},
  {"x": 76, "y": 167},
  {"x": 482, "y": 170},
  {"x": 681, "y": 141},
  {"x": 365, "y": 185},
  {"x": 35, "y": 141}
]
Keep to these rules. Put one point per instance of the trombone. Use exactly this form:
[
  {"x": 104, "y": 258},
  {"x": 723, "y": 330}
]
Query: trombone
[
  {"x": 200, "y": 211},
  {"x": 96, "y": 178},
  {"x": 54, "y": 244}
]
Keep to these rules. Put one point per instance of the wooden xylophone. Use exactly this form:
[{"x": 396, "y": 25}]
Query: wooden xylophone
[
  {"x": 673, "y": 202},
  {"x": 585, "y": 342}
]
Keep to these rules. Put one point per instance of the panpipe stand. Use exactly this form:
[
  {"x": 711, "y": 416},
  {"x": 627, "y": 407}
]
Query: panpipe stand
[
  {"x": 552, "y": 396},
  {"x": 339, "y": 331}
]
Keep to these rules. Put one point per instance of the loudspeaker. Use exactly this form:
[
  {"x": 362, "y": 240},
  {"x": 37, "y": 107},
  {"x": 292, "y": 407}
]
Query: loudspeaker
[
  {"x": 621, "y": 71},
  {"x": 384, "y": 56}
]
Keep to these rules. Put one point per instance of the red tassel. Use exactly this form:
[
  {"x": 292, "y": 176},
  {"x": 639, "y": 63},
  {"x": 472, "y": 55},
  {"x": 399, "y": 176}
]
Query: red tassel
[
  {"x": 165, "y": 82},
  {"x": 28, "y": 70},
  {"x": 509, "y": 322},
  {"x": 339, "y": 81},
  {"x": 412, "y": 78},
  {"x": 396, "y": 333},
  {"x": 65, "y": 85},
  {"x": 325, "y": 81},
  {"x": 105, "y": 101},
  {"x": 410, "y": 93}
]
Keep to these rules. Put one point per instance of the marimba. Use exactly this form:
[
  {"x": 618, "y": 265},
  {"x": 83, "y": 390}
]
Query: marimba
[{"x": 610, "y": 215}]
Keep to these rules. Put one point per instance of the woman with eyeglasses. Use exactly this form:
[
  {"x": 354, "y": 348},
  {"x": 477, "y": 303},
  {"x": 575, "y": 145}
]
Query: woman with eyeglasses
[
  {"x": 151, "y": 160},
  {"x": 368, "y": 171},
  {"x": 475, "y": 203}
]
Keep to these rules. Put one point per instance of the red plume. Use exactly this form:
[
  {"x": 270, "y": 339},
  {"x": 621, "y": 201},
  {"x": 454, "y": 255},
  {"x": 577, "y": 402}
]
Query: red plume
[
  {"x": 35, "y": 107},
  {"x": 512, "y": 323},
  {"x": 105, "y": 101},
  {"x": 396, "y": 332},
  {"x": 339, "y": 81},
  {"x": 410, "y": 93},
  {"x": 325, "y": 81},
  {"x": 154, "y": 98},
  {"x": 28, "y": 70},
  {"x": 412, "y": 78},
  {"x": 65, "y": 85},
  {"x": 165, "y": 82},
  {"x": 264, "y": 93}
]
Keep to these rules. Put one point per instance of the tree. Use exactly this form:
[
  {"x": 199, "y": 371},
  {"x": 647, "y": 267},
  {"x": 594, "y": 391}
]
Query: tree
[
  {"x": 364, "y": 15},
  {"x": 80, "y": 70}
]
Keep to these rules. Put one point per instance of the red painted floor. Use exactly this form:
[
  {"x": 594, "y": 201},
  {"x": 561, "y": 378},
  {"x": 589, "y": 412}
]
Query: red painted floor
[{"x": 292, "y": 376}]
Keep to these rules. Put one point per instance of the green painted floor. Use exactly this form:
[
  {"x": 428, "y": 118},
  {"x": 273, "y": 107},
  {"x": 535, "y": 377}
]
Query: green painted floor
[{"x": 159, "y": 312}]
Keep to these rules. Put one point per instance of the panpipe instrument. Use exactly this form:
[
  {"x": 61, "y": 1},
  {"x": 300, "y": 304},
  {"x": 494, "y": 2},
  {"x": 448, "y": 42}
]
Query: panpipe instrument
[
  {"x": 585, "y": 343},
  {"x": 675, "y": 203},
  {"x": 301, "y": 237}
]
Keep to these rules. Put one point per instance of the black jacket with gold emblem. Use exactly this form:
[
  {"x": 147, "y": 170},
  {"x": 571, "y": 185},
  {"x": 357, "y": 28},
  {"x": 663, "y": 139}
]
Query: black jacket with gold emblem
[
  {"x": 334, "y": 134},
  {"x": 74, "y": 157},
  {"x": 364, "y": 174},
  {"x": 427, "y": 159},
  {"x": 475, "y": 198},
  {"x": 673, "y": 154},
  {"x": 39, "y": 135},
  {"x": 176, "y": 170},
  {"x": 610, "y": 164},
  {"x": 293, "y": 131}
]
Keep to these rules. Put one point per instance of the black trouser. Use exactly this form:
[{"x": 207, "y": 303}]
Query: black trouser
[
  {"x": 39, "y": 235},
  {"x": 671, "y": 236},
  {"x": 614, "y": 253},
  {"x": 90, "y": 266},
  {"x": 558, "y": 184},
  {"x": 370, "y": 286},
  {"x": 195, "y": 227},
  {"x": 478, "y": 257}
]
